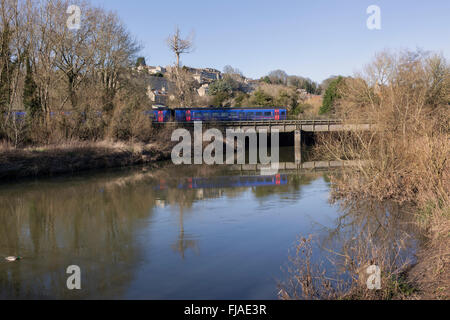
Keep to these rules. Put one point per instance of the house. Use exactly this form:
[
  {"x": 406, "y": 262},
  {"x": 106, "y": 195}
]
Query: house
[
  {"x": 158, "y": 97},
  {"x": 202, "y": 76},
  {"x": 152, "y": 70},
  {"x": 207, "y": 75},
  {"x": 203, "y": 90},
  {"x": 158, "y": 89},
  {"x": 156, "y": 70}
]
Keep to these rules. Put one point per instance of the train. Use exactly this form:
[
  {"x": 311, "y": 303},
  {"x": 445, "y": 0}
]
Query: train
[
  {"x": 217, "y": 114},
  {"x": 164, "y": 114},
  {"x": 22, "y": 114}
]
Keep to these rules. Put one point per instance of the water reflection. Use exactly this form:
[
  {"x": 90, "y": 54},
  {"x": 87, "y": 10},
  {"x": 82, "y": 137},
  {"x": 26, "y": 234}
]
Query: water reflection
[
  {"x": 169, "y": 233},
  {"x": 56, "y": 224},
  {"x": 222, "y": 182},
  {"x": 117, "y": 225},
  {"x": 367, "y": 232},
  {"x": 184, "y": 242}
]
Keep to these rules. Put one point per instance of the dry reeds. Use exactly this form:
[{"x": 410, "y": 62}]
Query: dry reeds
[
  {"x": 406, "y": 97},
  {"x": 365, "y": 236}
]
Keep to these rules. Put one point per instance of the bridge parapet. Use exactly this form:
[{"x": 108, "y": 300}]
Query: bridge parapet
[{"x": 280, "y": 125}]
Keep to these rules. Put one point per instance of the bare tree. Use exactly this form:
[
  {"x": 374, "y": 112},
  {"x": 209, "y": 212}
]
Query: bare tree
[
  {"x": 46, "y": 68},
  {"x": 75, "y": 51},
  {"x": 278, "y": 76},
  {"x": 116, "y": 54},
  {"x": 179, "y": 45},
  {"x": 184, "y": 88},
  {"x": 232, "y": 71}
]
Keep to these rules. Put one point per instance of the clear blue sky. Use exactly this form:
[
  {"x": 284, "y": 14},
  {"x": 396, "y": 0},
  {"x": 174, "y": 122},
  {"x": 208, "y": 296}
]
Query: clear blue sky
[{"x": 314, "y": 38}]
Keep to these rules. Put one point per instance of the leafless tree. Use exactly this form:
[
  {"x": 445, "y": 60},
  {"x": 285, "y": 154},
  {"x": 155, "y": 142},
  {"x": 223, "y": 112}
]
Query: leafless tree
[
  {"x": 179, "y": 45},
  {"x": 116, "y": 55},
  {"x": 229, "y": 70},
  {"x": 48, "y": 67},
  {"x": 184, "y": 88}
]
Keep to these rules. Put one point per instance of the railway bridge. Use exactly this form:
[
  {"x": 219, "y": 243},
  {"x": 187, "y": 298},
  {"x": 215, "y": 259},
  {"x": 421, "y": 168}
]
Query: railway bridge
[{"x": 283, "y": 126}]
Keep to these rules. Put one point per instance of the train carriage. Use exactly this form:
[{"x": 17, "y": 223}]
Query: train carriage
[
  {"x": 160, "y": 115},
  {"x": 232, "y": 114}
]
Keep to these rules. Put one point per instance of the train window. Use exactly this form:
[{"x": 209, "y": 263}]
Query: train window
[
  {"x": 225, "y": 114},
  {"x": 234, "y": 115},
  {"x": 259, "y": 114},
  {"x": 241, "y": 115},
  {"x": 268, "y": 113},
  {"x": 283, "y": 113},
  {"x": 216, "y": 114},
  {"x": 206, "y": 116}
]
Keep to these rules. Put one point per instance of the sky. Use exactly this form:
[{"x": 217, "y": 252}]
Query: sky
[{"x": 314, "y": 38}]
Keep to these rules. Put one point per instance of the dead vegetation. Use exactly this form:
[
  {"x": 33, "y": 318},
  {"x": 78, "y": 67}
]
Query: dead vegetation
[
  {"x": 312, "y": 281},
  {"x": 364, "y": 236},
  {"x": 74, "y": 157},
  {"x": 84, "y": 106},
  {"x": 406, "y": 159}
]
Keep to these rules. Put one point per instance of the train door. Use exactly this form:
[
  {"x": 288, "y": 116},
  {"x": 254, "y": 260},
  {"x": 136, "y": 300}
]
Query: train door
[
  {"x": 160, "y": 116},
  {"x": 277, "y": 114},
  {"x": 278, "y": 179},
  {"x": 188, "y": 115}
]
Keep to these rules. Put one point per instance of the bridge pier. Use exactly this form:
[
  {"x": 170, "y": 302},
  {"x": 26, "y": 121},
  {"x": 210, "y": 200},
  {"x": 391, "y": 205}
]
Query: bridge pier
[{"x": 298, "y": 146}]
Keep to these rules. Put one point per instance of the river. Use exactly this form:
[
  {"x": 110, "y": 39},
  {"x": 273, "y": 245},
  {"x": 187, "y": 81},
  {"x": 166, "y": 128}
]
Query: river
[{"x": 172, "y": 232}]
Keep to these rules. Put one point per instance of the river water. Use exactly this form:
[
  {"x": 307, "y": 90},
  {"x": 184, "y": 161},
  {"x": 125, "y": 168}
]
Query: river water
[{"x": 173, "y": 232}]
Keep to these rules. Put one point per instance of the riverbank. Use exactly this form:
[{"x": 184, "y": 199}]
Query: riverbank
[
  {"x": 76, "y": 157},
  {"x": 407, "y": 164}
]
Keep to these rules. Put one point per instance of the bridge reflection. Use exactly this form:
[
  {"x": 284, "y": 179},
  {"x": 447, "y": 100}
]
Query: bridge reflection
[
  {"x": 251, "y": 177},
  {"x": 306, "y": 166},
  {"x": 223, "y": 182}
]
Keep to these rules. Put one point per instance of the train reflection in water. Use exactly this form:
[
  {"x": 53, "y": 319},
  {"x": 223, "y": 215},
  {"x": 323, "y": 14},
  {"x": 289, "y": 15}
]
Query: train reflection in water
[{"x": 223, "y": 182}]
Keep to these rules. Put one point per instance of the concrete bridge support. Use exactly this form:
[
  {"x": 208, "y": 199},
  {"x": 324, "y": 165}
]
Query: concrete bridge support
[{"x": 298, "y": 146}]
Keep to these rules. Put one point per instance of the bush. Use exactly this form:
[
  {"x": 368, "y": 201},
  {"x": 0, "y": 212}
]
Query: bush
[{"x": 262, "y": 99}]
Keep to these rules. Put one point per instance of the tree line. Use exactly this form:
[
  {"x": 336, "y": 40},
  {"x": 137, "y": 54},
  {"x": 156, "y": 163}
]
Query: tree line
[
  {"x": 46, "y": 68},
  {"x": 281, "y": 77}
]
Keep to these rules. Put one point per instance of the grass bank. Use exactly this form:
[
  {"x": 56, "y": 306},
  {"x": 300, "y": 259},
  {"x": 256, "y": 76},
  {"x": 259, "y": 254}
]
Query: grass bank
[{"x": 75, "y": 157}]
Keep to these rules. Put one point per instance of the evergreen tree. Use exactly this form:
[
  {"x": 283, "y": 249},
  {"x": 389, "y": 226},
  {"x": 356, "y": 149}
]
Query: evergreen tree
[
  {"x": 262, "y": 99},
  {"x": 6, "y": 70},
  {"x": 31, "y": 99},
  {"x": 141, "y": 62},
  {"x": 330, "y": 96}
]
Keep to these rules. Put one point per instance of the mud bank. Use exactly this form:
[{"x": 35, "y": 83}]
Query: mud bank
[{"x": 69, "y": 159}]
